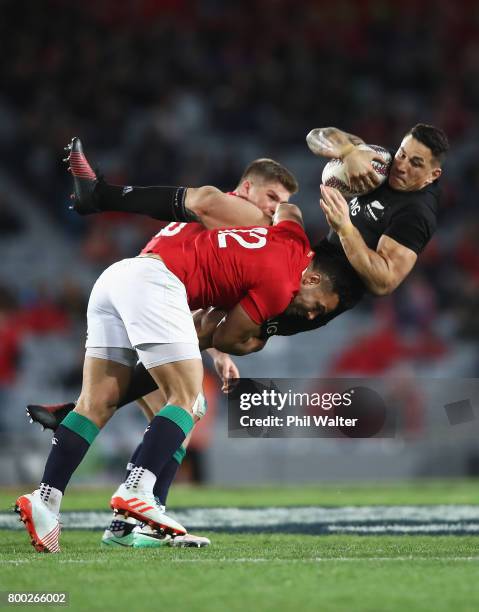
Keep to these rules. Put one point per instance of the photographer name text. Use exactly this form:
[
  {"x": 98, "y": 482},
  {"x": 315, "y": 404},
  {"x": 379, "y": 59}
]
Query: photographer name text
[{"x": 296, "y": 421}]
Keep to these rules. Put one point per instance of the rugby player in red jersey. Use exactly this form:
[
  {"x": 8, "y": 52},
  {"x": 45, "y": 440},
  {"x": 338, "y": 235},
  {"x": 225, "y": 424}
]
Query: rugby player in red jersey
[
  {"x": 141, "y": 306},
  {"x": 382, "y": 252},
  {"x": 264, "y": 183}
]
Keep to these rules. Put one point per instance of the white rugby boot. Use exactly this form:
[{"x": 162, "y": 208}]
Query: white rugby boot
[
  {"x": 146, "y": 537},
  {"x": 142, "y": 505},
  {"x": 189, "y": 541},
  {"x": 42, "y": 524}
]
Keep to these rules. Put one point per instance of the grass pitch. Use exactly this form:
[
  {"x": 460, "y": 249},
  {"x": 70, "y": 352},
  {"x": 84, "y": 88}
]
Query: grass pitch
[{"x": 261, "y": 572}]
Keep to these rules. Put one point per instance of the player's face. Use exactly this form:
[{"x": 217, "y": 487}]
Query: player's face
[
  {"x": 413, "y": 166},
  {"x": 314, "y": 298},
  {"x": 266, "y": 195}
]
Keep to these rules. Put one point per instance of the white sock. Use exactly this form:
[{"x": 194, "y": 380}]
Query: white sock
[
  {"x": 141, "y": 478},
  {"x": 51, "y": 497}
]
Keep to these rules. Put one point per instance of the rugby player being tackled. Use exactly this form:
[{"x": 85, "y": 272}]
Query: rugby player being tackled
[{"x": 382, "y": 250}]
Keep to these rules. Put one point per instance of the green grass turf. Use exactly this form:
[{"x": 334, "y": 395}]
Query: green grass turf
[
  {"x": 261, "y": 572},
  {"x": 323, "y": 494},
  {"x": 253, "y": 572}
]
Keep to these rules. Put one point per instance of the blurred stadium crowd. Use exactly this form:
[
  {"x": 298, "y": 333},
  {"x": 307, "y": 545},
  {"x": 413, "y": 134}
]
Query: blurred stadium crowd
[{"x": 187, "y": 92}]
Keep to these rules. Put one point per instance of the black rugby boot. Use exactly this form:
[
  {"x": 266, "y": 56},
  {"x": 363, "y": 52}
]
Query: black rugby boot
[
  {"x": 49, "y": 416},
  {"x": 84, "y": 179}
]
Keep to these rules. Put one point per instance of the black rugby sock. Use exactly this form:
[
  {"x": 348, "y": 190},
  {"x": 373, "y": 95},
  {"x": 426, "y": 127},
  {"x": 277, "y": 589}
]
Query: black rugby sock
[
  {"x": 131, "y": 464},
  {"x": 165, "y": 478},
  {"x": 163, "y": 203},
  {"x": 70, "y": 444},
  {"x": 163, "y": 438}
]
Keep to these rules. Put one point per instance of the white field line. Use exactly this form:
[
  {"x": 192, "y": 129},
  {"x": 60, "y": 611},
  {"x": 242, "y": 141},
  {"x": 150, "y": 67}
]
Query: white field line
[
  {"x": 348, "y": 519},
  {"x": 246, "y": 560}
]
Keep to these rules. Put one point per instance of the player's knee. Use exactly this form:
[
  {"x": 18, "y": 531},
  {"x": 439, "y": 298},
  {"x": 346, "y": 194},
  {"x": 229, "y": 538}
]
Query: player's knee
[
  {"x": 195, "y": 404},
  {"x": 153, "y": 402},
  {"x": 99, "y": 410}
]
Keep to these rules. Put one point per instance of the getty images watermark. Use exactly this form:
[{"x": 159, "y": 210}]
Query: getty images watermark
[
  {"x": 273, "y": 399},
  {"x": 339, "y": 408}
]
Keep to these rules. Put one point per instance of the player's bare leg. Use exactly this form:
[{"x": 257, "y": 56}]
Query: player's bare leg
[
  {"x": 127, "y": 531},
  {"x": 181, "y": 382},
  {"x": 104, "y": 382}
]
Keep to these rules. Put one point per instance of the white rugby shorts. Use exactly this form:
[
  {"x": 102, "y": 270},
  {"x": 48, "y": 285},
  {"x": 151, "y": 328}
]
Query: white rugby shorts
[{"x": 138, "y": 302}]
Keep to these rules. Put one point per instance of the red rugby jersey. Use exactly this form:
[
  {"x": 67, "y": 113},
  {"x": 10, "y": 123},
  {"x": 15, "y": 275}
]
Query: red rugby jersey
[{"x": 258, "y": 267}]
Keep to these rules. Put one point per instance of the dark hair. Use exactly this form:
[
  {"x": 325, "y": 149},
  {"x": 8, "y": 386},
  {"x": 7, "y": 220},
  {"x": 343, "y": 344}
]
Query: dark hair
[
  {"x": 344, "y": 280},
  {"x": 270, "y": 170},
  {"x": 433, "y": 138}
]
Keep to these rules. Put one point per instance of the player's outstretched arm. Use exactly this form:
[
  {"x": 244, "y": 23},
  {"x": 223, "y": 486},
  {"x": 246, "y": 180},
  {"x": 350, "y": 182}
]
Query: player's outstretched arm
[
  {"x": 237, "y": 334},
  {"x": 334, "y": 143}
]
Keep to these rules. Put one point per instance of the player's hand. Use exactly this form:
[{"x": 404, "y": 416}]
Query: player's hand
[
  {"x": 226, "y": 369},
  {"x": 336, "y": 209},
  {"x": 361, "y": 174}
]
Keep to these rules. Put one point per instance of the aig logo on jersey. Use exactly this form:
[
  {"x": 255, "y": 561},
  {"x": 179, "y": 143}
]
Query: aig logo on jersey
[
  {"x": 374, "y": 211},
  {"x": 354, "y": 207}
]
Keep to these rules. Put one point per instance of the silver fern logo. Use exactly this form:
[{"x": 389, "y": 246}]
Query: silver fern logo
[{"x": 375, "y": 210}]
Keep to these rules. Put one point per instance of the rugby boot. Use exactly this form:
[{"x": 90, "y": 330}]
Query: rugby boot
[
  {"x": 189, "y": 541},
  {"x": 143, "y": 506},
  {"x": 49, "y": 415},
  {"x": 145, "y": 536},
  {"x": 84, "y": 179},
  {"x": 120, "y": 532},
  {"x": 42, "y": 525}
]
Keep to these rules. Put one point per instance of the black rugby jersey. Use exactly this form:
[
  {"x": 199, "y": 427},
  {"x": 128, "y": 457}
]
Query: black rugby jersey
[{"x": 409, "y": 217}]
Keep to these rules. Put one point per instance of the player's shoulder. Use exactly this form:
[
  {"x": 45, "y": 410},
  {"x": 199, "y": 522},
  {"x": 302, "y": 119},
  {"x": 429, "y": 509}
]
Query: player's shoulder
[
  {"x": 424, "y": 202},
  {"x": 421, "y": 202},
  {"x": 290, "y": 233}
]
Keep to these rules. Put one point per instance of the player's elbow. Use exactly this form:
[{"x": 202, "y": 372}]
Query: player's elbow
[
  {"x": 312, "y": 140},
  {"x": 382, "y": 287},
  {"x": 312, "y": 137}
]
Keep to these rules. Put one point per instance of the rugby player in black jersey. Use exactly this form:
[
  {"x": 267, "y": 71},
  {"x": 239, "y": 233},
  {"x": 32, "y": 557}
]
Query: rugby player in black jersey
[
  {"x": 383, "y": 232},
  {"x": 380, "y": 233}
]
